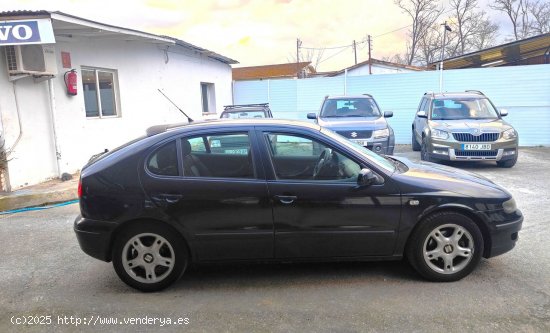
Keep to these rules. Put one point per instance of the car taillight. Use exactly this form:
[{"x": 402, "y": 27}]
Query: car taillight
[{"x": 79, "y": 191}]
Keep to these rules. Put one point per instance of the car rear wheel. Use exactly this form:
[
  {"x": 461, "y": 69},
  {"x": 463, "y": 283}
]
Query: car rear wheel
[
  {"x": 446, "y": 247},
  {"x": 149, "y": 257},
  {"x": 414, "y": 143}
]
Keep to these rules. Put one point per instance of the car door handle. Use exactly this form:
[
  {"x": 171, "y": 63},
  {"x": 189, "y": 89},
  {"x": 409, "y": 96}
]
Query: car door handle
[
  {"x": 286, "y": 199},
  {"x": 168, "y": 198}
]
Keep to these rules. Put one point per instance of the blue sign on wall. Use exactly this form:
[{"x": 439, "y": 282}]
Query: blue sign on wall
[{"x": 26, "y": 32}]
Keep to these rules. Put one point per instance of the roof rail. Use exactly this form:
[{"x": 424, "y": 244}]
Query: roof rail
[
  {"x": 475, "y": 91},
  {"x": 429, "y": 93},
  {"x": 244, "y": 105},
  {"x": 368, "y": 95}
]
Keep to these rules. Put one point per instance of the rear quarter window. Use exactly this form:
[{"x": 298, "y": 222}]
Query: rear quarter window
[{"x": 164, "y": 160}]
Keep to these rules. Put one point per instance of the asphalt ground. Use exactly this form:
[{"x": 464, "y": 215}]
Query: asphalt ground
[{"x": 44, "y": 273}]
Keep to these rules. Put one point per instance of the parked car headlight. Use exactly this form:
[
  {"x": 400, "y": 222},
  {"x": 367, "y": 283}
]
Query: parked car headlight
[
  {"x": 383, "y": 133},
  {"x": 509, "y": 206},
  {"x": 510, "y": 134},
  {"x": 439, "y": 134}
]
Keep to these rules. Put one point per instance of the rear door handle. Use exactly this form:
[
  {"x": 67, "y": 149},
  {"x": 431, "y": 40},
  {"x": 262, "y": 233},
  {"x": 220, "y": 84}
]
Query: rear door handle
[
  {"x": 286, "y": 199},
  {"x": 168, "y": 198}
]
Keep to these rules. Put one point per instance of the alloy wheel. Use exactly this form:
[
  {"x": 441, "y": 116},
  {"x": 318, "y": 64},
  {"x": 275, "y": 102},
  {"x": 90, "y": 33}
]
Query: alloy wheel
[{"x": 448, "y": 249}]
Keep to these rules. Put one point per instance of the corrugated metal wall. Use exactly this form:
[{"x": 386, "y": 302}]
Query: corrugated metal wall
[{"x": 523, "y": 90}]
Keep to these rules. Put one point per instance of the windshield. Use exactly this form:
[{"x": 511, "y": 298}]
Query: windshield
[
  {"x": 463, "y": 108},
  {"x": 349, "y": 107},
  {"x": 243, "y": 114},
  {"x": 373, "y": 157}
]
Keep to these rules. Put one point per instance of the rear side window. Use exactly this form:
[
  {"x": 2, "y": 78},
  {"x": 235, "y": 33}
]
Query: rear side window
[{"x": 164, "y": 161}]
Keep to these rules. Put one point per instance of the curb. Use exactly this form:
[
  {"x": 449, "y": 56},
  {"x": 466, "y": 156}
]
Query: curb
[{"x": 12, "y": 202}]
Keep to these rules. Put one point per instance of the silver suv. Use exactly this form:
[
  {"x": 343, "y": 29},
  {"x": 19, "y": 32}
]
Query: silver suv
[
  {"x": 463, "y": 127},
  {"x": 359, "y": 119}
]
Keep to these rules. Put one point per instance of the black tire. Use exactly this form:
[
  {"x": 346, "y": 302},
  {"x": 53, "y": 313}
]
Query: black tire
[
  {"x": 424, "y": 155},
  {"x": 169, "y": 261},
  {"x": 458, "y": 235},
  {"x": 508, "y": 163},
  {"x": 414, "y": 142}
]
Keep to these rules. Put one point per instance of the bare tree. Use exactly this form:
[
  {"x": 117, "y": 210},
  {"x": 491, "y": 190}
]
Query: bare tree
[
  {"x": 540, "y": 13},
  {"x": 486, "y": 35},
  {"x": 471, "y": 27},
  {"x": 315, "y": 56},
  {"x": 424, "y": 13},
  {"x": 430, "y": 45},
  {"x": 518, "y": 13}
]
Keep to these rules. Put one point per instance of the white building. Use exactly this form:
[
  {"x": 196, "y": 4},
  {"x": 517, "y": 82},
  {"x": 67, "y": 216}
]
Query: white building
[
  {"x": 376, "y": 67},
  {"x": 47, "y": 132}
]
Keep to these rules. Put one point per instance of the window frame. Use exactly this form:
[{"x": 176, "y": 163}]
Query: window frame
[
  {"x": 116, "y": 93},
  {"x": 210, "y": 98}
]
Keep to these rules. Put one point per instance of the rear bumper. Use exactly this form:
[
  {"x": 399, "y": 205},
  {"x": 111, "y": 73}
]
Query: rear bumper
[
  {"x": 94, "y": 237},
  {"x": 504, "y": 237}
]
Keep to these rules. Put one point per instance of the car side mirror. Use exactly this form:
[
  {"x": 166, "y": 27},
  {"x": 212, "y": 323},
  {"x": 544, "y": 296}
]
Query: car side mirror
[
  {"x": 366, "y": 177},
  {"x": 503, "y": 112},
  {"x": 311, "y": 116},
  {"x": 421, "y": 114},
  {"x": 388, "y": 114}
]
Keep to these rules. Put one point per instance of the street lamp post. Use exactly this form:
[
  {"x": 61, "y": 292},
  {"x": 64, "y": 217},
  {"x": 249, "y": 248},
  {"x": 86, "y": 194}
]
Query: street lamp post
[{"x": 445, "y": 29}]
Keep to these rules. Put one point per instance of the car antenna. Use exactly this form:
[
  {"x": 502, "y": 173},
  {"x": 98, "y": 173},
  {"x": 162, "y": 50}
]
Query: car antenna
[{"x": 188, "y": 118}]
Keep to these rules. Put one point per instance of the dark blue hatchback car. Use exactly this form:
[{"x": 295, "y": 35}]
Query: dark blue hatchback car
[{"x": 274, "y": 190}]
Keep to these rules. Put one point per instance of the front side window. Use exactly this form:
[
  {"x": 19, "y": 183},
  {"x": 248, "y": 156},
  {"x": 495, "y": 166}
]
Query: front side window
[
  {"x": 218, "y": 155},
  {"x": 349, "y": 107},
  {"x": 297, "y": 157},
  {"x": 463, "y": 108},
  {"x": 99, "y": 87}
]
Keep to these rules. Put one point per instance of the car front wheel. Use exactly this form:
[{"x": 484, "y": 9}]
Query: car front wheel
[
  {"x": 446, "y": 247},
  {"x": 424, "y": 154},
  {"x": 149, "y": 256}
]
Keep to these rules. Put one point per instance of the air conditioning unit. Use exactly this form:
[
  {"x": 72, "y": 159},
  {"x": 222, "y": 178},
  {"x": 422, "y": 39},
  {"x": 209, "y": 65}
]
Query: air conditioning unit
[{"x": 34, "y": 59}]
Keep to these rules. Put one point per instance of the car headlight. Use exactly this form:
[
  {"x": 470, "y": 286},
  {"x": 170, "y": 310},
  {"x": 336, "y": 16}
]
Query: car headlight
[
  {"x": 439, "y": 134},
  {"x": 510, "y": 134},
  {"x": 383, "y": 133},
  {"x": 509, "y": 206}
]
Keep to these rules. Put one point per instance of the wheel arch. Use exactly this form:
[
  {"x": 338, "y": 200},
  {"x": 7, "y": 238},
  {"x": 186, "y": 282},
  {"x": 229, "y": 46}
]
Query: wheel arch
[
  {"x": 126, "y": 224},
  {"x": 464, "y": 210}
]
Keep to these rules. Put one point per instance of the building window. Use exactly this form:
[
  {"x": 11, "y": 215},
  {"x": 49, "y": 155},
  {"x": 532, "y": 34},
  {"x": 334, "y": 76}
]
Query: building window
[
  {"x": 100, "y": 92},
  {"x": 208, "y": 97}
]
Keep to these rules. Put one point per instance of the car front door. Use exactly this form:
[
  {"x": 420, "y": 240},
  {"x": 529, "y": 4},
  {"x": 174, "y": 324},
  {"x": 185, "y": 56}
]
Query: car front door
[
  {"x": 216, "y": 192},
  {"x": 319, "y": 211}
]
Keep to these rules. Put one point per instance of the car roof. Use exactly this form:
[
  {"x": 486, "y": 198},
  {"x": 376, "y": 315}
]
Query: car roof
[
  {"x": 218, "y": 123},
  {"x": 456, "y": 95},
  {"x": 348, "y": 96}
]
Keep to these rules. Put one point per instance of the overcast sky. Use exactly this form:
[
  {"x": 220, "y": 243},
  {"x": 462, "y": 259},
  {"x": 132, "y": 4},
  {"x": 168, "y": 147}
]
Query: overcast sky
[{"x": 257, "y": 32}]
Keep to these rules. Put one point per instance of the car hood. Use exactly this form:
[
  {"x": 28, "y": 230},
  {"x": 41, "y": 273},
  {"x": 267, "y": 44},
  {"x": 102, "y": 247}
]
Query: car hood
[
  {"x": 353, "y": 123},
  {"x": 431, "y": 177},
  {"x": 467, "y": 125}
]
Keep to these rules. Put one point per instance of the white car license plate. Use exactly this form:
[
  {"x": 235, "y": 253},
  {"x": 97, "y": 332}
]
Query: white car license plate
[
  {"x": 360, "y": 142},
  {"x": 476, "y": 146}
]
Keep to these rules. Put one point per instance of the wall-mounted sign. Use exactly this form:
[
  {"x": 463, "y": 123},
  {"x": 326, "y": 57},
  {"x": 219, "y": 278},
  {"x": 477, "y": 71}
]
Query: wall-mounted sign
[
  {"x": 38, "y": 31},
  {"x": 66, "y": 59}
]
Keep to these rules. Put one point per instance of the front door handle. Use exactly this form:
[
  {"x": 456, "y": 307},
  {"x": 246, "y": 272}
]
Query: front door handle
[{"x": 286, "y": 199}]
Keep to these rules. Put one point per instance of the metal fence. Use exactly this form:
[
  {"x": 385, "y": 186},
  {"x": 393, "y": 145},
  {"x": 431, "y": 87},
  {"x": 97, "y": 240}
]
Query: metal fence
[{"x": 523, "y": 90}]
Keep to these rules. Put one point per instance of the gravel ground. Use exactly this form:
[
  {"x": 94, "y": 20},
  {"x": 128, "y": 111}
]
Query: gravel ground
[{"x": 44, "y": 273}]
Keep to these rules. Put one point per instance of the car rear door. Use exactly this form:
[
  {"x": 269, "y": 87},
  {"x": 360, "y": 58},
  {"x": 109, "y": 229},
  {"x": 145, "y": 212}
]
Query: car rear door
[
  {"x": 217, "y": 195},
  {"x": 325, "y": 218}
]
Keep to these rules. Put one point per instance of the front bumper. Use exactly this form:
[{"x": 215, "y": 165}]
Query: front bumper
[
  {"x": 504, "y": 236},
  {"x": 383, "y": 146},
  {"x": 94, "y": 237},
  {"x": 501, "y": 150}
]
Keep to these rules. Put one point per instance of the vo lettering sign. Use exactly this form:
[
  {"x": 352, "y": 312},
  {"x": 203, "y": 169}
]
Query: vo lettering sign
[{"x": 26, "y": 32}]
